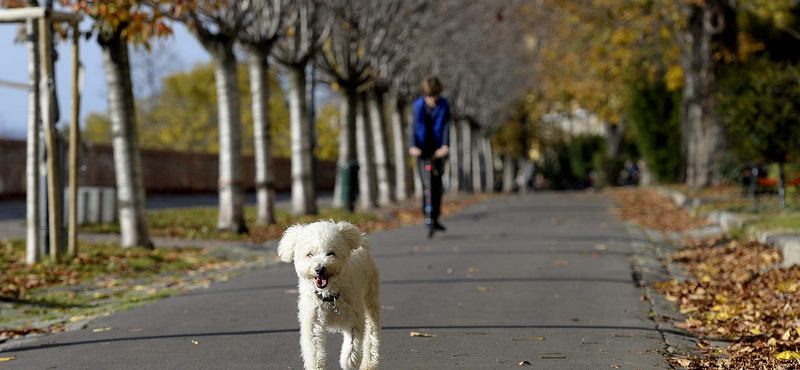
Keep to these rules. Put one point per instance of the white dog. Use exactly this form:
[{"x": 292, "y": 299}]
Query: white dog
[{"x": 339, "y": 287}]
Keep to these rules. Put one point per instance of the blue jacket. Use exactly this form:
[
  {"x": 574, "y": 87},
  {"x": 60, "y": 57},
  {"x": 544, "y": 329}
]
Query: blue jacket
[{"x": 436, "y": 123}]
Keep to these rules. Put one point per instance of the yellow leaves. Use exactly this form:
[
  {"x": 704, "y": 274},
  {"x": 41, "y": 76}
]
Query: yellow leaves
[
  {"x": 788, "y": 286},
  {"x": 4, "y": 359},
  {"x": 674, "y": 77},
  {"x": 788, "y": 355}
]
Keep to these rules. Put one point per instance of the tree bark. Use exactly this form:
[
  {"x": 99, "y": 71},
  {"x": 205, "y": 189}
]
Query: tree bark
[
  {"x": 488, "y": 163},
  {"x": 455, "y": 157},
  {"x": 400, "y": 147},
  {"x": 381, "y": 147},
  {"x": 467, "y": 155},
  {"x": 231, "y": 178},
  {"x": 366, "y": 171},
  {"x": 32, "y": 254},
  {"x": 475, "y": 149},
  {"x": 303, "y": 201},
  {"x": 125, "y": 140},
  {"x": 265, "y": 184},
  {"x": 508, "y": 173},
  {"x": 347, "y": 138},
  {"x": 702, "y": 140}
]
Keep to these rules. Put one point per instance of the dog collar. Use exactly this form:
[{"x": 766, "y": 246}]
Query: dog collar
[{"x": 327, "y": 298}]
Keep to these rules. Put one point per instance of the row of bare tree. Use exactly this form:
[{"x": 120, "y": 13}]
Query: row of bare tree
[{"x": 372, "y": 51}]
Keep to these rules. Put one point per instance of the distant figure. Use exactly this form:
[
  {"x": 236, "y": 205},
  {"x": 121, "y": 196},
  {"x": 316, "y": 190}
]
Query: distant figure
[
  {"x": 430, "y": 140},
  {"x": 633, "y": 174}
]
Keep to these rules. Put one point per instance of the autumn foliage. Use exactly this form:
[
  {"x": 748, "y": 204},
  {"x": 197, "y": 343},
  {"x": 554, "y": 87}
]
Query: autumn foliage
[{"x": 740, "y": 294}]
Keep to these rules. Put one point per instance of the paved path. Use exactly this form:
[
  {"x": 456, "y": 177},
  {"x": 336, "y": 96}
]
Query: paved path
[{"x": 545, "y": 279}]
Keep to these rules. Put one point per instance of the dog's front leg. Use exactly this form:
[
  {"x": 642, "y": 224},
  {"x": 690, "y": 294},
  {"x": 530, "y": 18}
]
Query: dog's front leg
[
  {"x": 312, "y": 344},
  {"x": 351, "y": 348}
]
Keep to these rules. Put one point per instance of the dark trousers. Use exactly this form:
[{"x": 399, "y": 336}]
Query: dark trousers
[{"x": 435, "y": 184}]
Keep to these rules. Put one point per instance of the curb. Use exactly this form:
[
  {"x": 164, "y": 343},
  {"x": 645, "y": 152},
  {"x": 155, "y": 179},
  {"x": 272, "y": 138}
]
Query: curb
[
  {"x": 787, "y": 242},
  {"x": 650, "y": 262}
]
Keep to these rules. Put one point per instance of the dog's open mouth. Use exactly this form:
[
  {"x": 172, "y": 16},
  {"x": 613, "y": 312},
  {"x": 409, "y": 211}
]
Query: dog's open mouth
[{"x": 322, "y": 281}]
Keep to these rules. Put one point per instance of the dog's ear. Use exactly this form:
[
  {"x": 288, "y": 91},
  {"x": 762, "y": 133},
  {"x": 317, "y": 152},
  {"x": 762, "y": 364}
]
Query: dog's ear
[
  {"x": 352, "y": 236},
  {"x": 288, "y": 241}
]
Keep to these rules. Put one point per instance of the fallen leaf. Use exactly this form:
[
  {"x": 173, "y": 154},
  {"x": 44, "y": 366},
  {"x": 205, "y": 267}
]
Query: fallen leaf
[
  {"x": 527, "y": 339},
  {"x": 195, "y": 342},
  {"x": 562, "y": 262},
  {"x": 483, "y": 289},
  {"x": 423, "y": 335},
  {"x": 615, "y": 366},
  {"x": 788, "y": 355},
  {"x": 601, "y": 247},
  {"x": 755, "y": 331},
  {"x": 100, "y": 330},
  {"x": 524, "y": 363},
  {"x": 77, "y": 318},
  {"x": 4, "y": 359}
]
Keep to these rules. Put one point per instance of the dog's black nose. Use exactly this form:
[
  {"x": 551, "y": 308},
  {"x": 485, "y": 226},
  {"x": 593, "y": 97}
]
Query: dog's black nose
[{"x": 321, "y": 270}]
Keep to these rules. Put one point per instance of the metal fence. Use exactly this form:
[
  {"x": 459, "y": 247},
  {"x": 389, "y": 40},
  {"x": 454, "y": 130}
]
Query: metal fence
[{"x": 164, "y": 171}]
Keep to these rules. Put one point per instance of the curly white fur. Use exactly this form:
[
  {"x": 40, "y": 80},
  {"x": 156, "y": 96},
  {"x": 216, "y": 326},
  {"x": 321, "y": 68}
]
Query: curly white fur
[{"x": 338, "y": 289}]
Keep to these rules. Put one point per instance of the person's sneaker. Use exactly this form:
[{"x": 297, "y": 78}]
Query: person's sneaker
[{"x": 437, "y": 226}]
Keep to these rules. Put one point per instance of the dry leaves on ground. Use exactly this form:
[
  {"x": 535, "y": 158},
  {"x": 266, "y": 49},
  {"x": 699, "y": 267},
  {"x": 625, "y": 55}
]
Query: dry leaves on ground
[
  {"x": 651, "y": 209},
  {"x": 740, "y": 296}
]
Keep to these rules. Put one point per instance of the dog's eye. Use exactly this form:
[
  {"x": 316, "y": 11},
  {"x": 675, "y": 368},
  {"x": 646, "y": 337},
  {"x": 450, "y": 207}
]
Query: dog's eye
[
  {"x": 310, "y": 255},
  {"x": 330, "y": 254}
]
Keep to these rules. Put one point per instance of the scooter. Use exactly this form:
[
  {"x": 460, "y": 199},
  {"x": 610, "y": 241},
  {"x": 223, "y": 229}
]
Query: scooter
[{"x": 428, "y": 196}]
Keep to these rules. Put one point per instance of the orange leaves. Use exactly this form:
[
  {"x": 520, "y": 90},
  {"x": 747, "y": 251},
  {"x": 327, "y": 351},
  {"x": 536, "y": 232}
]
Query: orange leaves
[
  {"x": 137, "y": 23},
  {"x": 739, "y": 294},
  {"x": 651, "y": 209}
]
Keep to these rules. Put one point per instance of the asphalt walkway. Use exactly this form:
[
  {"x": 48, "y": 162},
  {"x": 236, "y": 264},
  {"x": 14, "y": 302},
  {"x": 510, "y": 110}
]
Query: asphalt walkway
[{"x": 545, "y": 279}]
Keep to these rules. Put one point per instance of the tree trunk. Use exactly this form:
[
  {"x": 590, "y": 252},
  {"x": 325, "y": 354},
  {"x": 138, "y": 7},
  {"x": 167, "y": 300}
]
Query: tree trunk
[
  {"x": 508, "y": 173},
  {"x": 125, "y": 140},
  {"x": 231, "y": 177},
  {"x": 781, "y": 186},
  {"x": 381, "y": 146},
  {"x": 477, "y": 176},
  {"x": 416, "y": 180},
  {"x": 366, "y": 171},
  {"x": 32, "y": 254},
  {"x": 466, "y": 150},
  {"x": 702, "y": 138},
  {"x": 265, "y": 178},
  {"x": 400, "y": 147},
  {"x": 303, "y": 201},
  {"x": 455, "y": 157},
  {"x": 488, "y": 163},
  {"x": 347, "y": 138}
]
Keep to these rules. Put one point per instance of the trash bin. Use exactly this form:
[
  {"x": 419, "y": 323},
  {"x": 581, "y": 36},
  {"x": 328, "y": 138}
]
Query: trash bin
[{"x": 348, "y": 173}]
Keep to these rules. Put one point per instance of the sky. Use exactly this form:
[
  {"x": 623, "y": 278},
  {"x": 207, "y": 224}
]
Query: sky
[{"x": 184, "y": 51}]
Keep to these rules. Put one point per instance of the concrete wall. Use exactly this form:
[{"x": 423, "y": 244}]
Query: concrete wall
[{"x": 164, "y": 171}]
